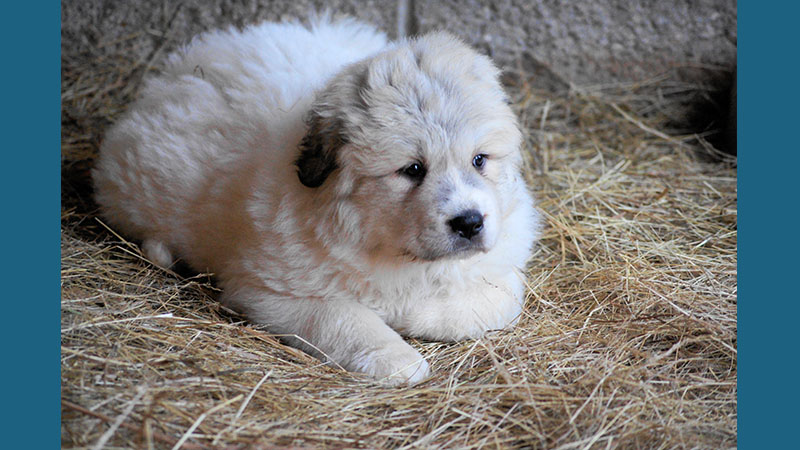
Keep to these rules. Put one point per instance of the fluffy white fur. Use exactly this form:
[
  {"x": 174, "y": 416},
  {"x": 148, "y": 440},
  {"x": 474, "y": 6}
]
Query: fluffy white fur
[{"x": 276, "y": 157}]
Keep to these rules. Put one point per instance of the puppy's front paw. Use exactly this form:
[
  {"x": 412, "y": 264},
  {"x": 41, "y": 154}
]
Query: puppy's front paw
[
  {"x": 157, "y": 252},
  {"x": 394, "y": 365}
]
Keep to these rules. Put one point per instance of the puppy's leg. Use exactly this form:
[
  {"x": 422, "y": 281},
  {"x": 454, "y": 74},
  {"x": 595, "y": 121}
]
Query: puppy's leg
[
  {"x": 157, "y": 253},
  {"x": 345, "y": 332},
  {"x": 467, "y": 313}
]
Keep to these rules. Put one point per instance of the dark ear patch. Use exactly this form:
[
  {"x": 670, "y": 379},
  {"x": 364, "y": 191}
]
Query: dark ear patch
[
  {"x": 318, "y": 151},
  {"x": 314, "y": 164}
]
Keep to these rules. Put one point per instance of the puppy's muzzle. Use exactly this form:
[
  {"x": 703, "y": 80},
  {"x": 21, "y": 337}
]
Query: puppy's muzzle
[{"x": 467, "y": 225}]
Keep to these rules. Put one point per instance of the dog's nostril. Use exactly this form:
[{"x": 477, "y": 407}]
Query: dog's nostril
[{"x": 467, "y": 224}]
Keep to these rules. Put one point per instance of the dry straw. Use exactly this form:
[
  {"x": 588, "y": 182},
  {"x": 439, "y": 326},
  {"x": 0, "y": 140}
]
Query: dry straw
[{"x": 628, "y": 337}]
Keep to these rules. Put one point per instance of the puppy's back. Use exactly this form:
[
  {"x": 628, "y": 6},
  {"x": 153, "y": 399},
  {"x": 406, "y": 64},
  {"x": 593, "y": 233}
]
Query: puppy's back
[
  {"x": 228, "y": 95},
  {"x": 292, "y": 60}
]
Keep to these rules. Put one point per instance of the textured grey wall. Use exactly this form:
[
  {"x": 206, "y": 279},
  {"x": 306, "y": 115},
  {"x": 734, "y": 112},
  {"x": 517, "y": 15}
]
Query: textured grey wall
[
  {"x": 551, "y": 44},
  {"x": 600, "y": 41},
  {"x": 582, "y": 43}
]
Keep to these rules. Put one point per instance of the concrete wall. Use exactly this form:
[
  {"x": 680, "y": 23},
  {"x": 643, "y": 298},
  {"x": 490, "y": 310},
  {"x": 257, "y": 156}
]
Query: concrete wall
[
  {"x": 601, "y": 41},
  {"x": 553, "y": 44}
]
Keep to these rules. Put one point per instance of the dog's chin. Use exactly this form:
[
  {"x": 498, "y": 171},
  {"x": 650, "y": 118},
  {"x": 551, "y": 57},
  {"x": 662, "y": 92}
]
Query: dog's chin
[{"x": 456, "y": 250}]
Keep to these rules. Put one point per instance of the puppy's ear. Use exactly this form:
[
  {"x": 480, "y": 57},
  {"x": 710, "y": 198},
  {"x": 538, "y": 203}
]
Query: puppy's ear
[{"x": 318, "y": 149}]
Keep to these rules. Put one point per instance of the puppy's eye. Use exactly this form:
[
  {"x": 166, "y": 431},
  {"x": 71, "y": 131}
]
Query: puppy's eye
[
  {"x": 414, "y": 171},
  {"x": 479, "y": 160}
]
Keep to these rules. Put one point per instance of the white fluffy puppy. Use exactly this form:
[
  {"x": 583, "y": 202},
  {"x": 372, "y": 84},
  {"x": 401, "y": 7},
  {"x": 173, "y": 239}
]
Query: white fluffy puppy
[{"x": 343, "y": 190}]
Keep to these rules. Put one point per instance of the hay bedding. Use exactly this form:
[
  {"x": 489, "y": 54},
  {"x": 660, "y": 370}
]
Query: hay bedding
[{"x": 628, "y": 337}]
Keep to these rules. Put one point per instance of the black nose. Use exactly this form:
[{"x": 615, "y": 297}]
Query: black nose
[{"x": 468, "y": 224}]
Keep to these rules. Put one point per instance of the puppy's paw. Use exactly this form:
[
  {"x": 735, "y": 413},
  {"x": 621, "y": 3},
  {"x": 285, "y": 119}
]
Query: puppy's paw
[
  {"x": 394, "y": 365},
  {"x": 157, "y": 252}
]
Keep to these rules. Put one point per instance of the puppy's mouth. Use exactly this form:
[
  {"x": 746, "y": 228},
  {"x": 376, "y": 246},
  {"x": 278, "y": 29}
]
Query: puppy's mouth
[{"x": 457, "y": 250}]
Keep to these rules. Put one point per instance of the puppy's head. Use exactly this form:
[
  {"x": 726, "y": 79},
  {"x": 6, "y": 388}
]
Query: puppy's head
[{"x": 419, "y": 147}]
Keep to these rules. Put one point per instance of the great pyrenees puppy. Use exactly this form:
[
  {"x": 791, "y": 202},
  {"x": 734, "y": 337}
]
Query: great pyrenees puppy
[{"x": 344, "y": 190}]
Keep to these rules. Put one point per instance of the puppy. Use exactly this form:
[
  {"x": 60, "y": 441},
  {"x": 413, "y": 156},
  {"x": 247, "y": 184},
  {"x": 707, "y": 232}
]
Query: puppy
[{"x": 344, "y": 190}]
